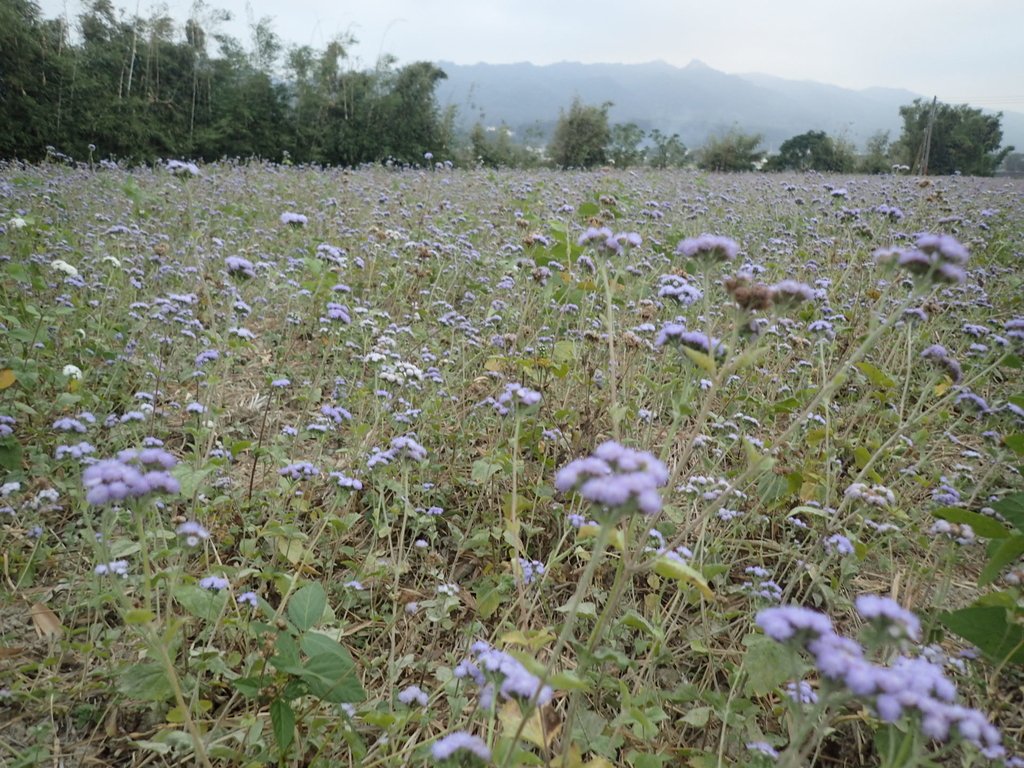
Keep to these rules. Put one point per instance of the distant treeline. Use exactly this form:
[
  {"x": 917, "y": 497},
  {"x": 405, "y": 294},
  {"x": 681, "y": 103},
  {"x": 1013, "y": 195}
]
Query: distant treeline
[{"x": 139, "y": 89}]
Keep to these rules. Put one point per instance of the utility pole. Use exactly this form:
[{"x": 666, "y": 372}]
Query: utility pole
[{"x": 921, "y": 163}]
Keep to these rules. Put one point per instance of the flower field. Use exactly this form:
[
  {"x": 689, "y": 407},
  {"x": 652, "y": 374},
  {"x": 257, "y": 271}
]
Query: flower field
[{"x": 425, "y": 466}]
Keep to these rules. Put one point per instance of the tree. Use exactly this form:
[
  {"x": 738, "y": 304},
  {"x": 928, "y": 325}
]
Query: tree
[
  {"x": 877, "y": 154},
  {"x": 963, "y": 139},
  {"x": 668, "y": 151},
  {"x": 812, "y": 151},
  {"x": 581, "y": 136},
  {"x": 624, "y": 148},
  {"x": 734, "y": 151},
  {"x": 1013, "y": 164}
]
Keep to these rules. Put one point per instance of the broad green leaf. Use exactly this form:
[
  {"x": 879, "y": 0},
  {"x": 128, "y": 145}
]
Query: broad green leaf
[
  {"x": 991, "y": 630},
  {"x": 483, "y": 470},
  {"x": 205, "y": 604},
  {"x": 635, "y": 621},
  {"x": 1015, "y": 443},
  {"x": 768, "y": 664},
  {"x": 145, "y": 681},
  {"x": 565, "y": 351},
  {"x": 307, "y": 606},
  {"x": 980, "y": 524},
  {"x": 701, "y": 360},
  {"x": 673, "y": 568},
  {"x": 333, "y": 679},
  {"x": 875, "y": 375},
  {"x": 1001, "y": 555},
  {"x": 1012, "y": 508},
  {"x": 698, "y": 716},
  {"x": 283, "y": 719}
]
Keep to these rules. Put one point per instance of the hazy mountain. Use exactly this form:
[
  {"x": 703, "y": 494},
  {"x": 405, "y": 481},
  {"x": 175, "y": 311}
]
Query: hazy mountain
[{"x": 693, "y": 101}]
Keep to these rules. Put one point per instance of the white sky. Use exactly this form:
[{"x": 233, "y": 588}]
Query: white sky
[{"x": 960, "y": 50}]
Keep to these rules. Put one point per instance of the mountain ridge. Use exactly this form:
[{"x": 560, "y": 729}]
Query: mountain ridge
[{"x": 696, "y": 101}]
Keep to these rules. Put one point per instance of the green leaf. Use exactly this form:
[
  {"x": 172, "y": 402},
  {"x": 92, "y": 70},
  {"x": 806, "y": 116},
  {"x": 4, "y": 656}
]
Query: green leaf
[
  {"x": 145, "y": 682},
  {"x": 701, "y": 360},
  {"x": 330, "y": 673},
  {"x": 875, "y": 375},
  {"x": 333, "y": 679},
  {"x": 10, "y": 455},
  {"x": 283, "y": 719},
  {"x": 768, "y": 665},
  {"x": 698, "y": 717},
  {"x": 205, "y": 604},
  {"x": 1001, "y": 555},
  {"x": 287, "y": 657},
  {"x": 672, "y": 568},
  {"x": 565, "y": 351},
  {"x": 980, "y": 524},
  {"x": 991, "y": 630},
  {"x": 307, "y": 606},
  {"x": 1012, "y": 508},
  {"x": 1015, "y": 443},
  {"x": 482, "y": 471},
  {"x": 636, "y": 621}
]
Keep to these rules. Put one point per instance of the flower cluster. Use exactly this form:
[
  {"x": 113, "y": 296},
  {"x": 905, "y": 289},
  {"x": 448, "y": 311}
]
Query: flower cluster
[
  {"x": 531, "y": 569},
  {"x": 496, "y": 672},
  {"x": 514, "y": 396},
  {"x": 616, "y": 478},
  {"x": 875, "y": 495},
  {"x": 133, "y": 474},
  {"x": 460, "y": 741},
  {"x": 604, "y": 241},
  {"x": 940, "y": 258},
  {"x": 938, "y": 354},
  {"x": 909, "y": 685},
  {"x": 708, "y": 248},
  {"x": 294, "y": 219},
  {"x": 300, "y": 470},
  {"x": 402, "y": 447},
  {"x": 676, "y": 332},
  {"x": 236, "y": 265}
]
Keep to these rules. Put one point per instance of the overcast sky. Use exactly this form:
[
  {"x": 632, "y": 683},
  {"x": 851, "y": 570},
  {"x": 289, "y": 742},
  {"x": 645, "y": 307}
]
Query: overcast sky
[{"x": 960, "y": 50}]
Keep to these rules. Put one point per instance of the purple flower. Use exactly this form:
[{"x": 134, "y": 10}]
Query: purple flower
[
  {"x": 709, "y": 247},
  {"x": 460, "y": 741},
  {"x": 344, "y": 481},
  {"x": 616, "y": 478},
  {"x": 112, "y": 480},
  {"x": 214, "y": 583},
  {"x": 206, "y": 356},
  {"x": 236, "y": 265},
  {"x": 838, "y": 544},
  {"x": 300, "y": 470},
  {"x": 248, "y": 598},
  {"x": 531, "y": 569},
  {"x": 113, "y": 568},
  {"x": 888, "y": 615},
  {"x": 413, "y": 695},
  {"x": 514, "y": 396},
  {"x": 764, "y": 748},
  {"x": 801, "y": 692},
  {"x": 193, "y": 532},
  {"x": 693, "y": 339},
  {"x": 294, "y": 219},
  {"x": 793, "y": 621},
  {"x": 791, "y": 292},
  {"x": 68, "y": 424}
]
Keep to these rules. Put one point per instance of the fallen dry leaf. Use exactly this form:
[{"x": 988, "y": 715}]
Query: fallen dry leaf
[{"x": 46, "y": 622}]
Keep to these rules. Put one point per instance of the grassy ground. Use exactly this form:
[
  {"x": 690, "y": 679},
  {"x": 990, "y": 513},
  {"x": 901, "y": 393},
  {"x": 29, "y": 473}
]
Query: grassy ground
[{"x": 323, "y": 569}]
